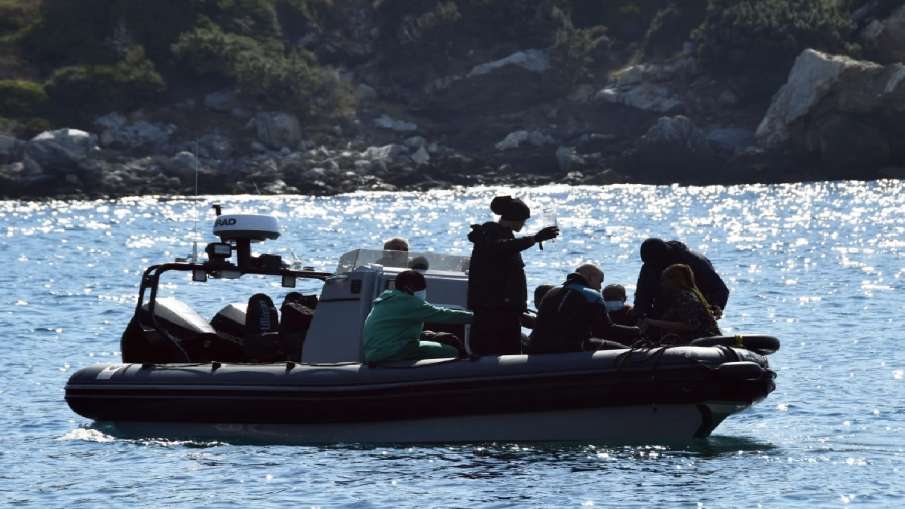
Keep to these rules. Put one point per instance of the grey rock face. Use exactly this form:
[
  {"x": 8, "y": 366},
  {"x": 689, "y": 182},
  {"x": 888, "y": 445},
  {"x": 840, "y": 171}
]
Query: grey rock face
[
  {"x": 57, "y": 151},
  {"x": 505, "y": 84},
  {"x": 278, "y": 129},
  {"x": 885, "y": 39},
  {"x": 843, "y": 111},
  {"x": 648, "y": 87},
  {"x": 11, "y": 149},
  {"x": 674, "y": 147},
  {"x": 387, "y": 122},
  {"x": 223, "y": 101},
  {"x": 182, "y": 165},
  {"x": 568, "y": 159},
  {"x": 517, "y": 139},
  {"x": 117, "y": 132},
  {"x": 534, "y": 60},
  {"x": 730, "y": 139}
]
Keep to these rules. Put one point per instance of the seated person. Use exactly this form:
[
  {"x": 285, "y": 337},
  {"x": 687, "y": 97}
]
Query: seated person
[
  {"x": 530, "y": 319},
  {"x": 688, "y": 315},
  {"x": 419, "y": 263},
  {"x": 573, "y": 317},
  {"x": 620, "y": 312},
  {"x": 396, "y": 244},
  {"x": 394, "y": 329}
]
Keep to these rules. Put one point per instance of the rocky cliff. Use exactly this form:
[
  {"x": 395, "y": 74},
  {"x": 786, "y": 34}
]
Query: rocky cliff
[{"x": 322, "y": 97}]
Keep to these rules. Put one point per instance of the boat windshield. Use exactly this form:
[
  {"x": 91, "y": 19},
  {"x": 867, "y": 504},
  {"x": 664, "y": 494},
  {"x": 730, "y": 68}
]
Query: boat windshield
[{"x": 402, "y": 259}]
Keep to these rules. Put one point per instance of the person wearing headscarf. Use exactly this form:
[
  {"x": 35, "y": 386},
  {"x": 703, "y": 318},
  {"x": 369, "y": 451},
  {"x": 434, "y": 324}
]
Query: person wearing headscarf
[
  {"x": 497, "y": 289},
  {"x": 656, "y": 256},
  {"x": 688, "y": 314}
]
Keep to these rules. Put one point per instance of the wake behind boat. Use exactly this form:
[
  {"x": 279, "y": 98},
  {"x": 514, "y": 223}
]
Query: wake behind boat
[{"x": 245, "y": 374}]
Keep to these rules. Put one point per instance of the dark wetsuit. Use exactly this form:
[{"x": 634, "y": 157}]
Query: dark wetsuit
[
  {"x": 497, "y": 290},
  {"x": 573, "y": 318},
  {"x": 648, "y": 299}
]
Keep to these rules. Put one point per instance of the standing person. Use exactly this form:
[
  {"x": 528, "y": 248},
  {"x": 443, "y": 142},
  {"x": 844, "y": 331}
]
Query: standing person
[
  {"x": 688, "y": 315},
  {"x": 394, "y": 329},
  {"x": 573, "y": 318},
  {"x": 497, "y": 290},
  {"x": 656, "y": 256}
]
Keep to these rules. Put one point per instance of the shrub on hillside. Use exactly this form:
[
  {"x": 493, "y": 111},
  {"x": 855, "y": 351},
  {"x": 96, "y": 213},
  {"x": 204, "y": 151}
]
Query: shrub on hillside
[
  {"x": 294, "y": 82},
  {"x": 21, "y": 98},
  {"x": 671, "y": 28},
  {"x": 765, "y": 36},
  {"x": 83, "y": 90},
  {"x": 624, "y": 19},
  {"x": 208, "y": 50},
  {"x": 264, "y": 71},
  {"x": 580, "y": 54},
  {"x": 71, "y": 32},
  {"x": 16, "y": 14}
]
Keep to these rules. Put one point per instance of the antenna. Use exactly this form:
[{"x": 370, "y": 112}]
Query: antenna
[{"x": 195, "y": 210}]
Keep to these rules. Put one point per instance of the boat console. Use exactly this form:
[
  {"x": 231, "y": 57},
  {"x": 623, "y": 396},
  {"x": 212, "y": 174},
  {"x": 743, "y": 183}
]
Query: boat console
[{"x": 158, "y": 331}]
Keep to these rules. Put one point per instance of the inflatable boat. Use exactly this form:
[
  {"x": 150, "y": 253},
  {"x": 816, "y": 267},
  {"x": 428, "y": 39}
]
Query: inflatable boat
[{"x": 249, "y": 373}]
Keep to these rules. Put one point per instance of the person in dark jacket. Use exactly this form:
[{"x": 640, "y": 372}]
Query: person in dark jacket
[
  {"x": 497, "y": 290},
  {"x": 657, "y": 255},
  {"x": 573, "y": 318}
]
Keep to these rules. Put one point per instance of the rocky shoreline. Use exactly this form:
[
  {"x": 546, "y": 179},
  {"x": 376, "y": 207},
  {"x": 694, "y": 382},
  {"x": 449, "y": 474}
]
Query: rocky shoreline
[{"x": 502, "y": 121}]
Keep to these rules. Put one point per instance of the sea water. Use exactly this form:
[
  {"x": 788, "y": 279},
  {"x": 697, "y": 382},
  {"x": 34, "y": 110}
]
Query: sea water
[{"x": 820, "y": 265}]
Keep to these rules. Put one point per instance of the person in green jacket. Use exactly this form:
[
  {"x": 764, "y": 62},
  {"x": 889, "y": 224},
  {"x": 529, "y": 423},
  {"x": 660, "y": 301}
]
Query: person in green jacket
[{"x": 394, "y": 328}]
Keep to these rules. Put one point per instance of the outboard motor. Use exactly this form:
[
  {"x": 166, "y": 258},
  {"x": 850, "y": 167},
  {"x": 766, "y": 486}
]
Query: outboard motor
[{"x": 182, "y": 336}]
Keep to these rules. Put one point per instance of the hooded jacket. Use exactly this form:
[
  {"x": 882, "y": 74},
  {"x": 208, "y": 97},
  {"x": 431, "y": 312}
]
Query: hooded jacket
[
  {"x": 648, "y": 299},
  {"x": 496, "y": 275},
  {"x": 397, "y": 320},
  {"x": 571, "y": 314}
]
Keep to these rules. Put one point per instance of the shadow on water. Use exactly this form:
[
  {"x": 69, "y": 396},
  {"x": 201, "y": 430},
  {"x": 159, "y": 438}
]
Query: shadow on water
[{"x": 194, "y": 436}]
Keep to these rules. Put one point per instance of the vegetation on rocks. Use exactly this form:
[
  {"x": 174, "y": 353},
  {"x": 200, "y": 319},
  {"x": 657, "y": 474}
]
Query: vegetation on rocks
[{"x": 307, "y": 93}]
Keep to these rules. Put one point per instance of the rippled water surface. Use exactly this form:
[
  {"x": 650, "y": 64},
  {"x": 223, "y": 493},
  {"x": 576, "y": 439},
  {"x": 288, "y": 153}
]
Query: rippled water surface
[{"x": 822, "y": 266}]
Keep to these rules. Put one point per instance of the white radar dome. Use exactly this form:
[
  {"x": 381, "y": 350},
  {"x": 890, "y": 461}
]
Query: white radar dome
[{"x": 256, "y": 228}]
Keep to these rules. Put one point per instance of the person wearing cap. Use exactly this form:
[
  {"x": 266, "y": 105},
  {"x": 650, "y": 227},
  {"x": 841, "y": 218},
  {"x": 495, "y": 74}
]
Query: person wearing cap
[
  {"x": 657, "y": 255},
  {"x": 497, "y": 289},
  {"x": 394, "y": 328}
]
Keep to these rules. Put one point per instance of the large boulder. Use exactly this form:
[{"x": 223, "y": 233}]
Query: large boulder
[
  {"x": 10, "y": 149},
  {"x": 119, "y": 133},
  {"x": 500, "y": 85},
  {"x": 522, "y": 138},
  {"x": 59, "y": 150},
  {"x": 222, "y": 101},
  {"x": 278, "y": 129},
  {"x": 885, "y": 39},
  {"x": 839, "y": 111},
  {"x": 649, "y": 87}
]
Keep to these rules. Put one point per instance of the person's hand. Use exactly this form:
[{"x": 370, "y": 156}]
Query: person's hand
[
  {"x": 717, "y": 312},
  {"x": 548, "y": 233}
]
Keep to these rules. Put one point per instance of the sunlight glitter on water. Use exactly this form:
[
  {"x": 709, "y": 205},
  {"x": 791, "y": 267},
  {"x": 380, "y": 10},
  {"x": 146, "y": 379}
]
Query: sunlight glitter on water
[{"x": 841, "y": 243}]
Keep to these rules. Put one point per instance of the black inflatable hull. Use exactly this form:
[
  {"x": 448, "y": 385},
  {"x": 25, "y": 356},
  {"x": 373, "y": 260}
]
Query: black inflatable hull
[{"x": 333, "y": 401}]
